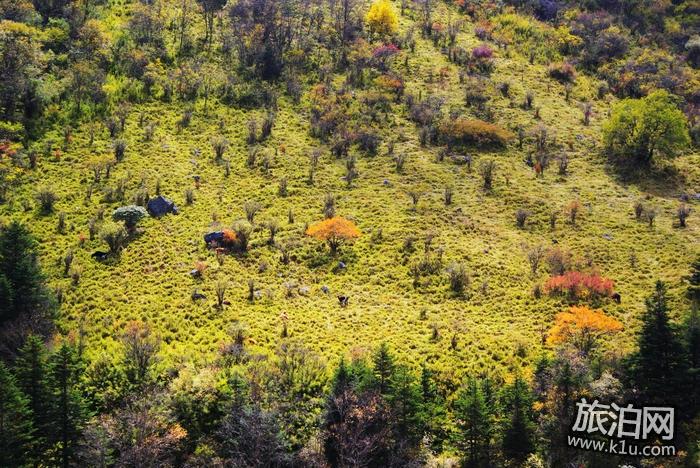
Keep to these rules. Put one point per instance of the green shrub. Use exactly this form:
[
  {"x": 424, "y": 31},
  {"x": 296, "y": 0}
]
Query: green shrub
[
  {"x": 130, "y": 215},
  {"x": 115, "y": 237},
  {"x": 641, "y": 130}
]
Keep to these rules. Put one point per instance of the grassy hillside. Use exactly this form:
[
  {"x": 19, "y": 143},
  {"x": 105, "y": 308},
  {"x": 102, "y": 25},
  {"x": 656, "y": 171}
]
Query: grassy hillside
[{"x": 498, "y": 324}]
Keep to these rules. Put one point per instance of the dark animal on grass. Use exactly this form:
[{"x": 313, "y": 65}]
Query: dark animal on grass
[
  {"x": 100, "y": 256},
  {"x": 343, "y": 300},
  {"x": 616, "y": 297}
]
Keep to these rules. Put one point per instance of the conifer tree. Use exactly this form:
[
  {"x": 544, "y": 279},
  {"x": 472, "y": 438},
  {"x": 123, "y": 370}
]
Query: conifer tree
[
  {"x": 475, "y": 424},
  {"x": 694, "y": 283},
  {"x": 16, "y": 429},
  {"x": 34, "y": 380},
  {"x": 19, "y": 267},
  {"x": 383, "y": 368},
  {"x": 518, "y": 436},
  {"x": 70, "y": 408},
  {"x": 406, "y": 404},
  {"x": 692, "y": 341},
  {"x": 658, "y": 368},
  {"x": 434, "y": 409}
]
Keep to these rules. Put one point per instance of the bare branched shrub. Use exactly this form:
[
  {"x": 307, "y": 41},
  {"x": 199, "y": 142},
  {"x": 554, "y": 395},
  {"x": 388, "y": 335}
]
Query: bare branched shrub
[
  {"x": 521, "y": 217},
  {"x": 219, "y": 144},
  {"x": 487, "y": 170},
  {"x": 252, "y": 132},
  {"x": 282, "y": 187},
  {"x": 251, "y": 208},
  {"x": 535, "y": 255},
  {"x": 273, "y": 227},
  {"x": 46, "y": 198},
  {"x": 447, "y": 195},
  {"x": 683, "y": 213},
  {"x": 119, "y": 146},
  {"x": 220, "y": 288},
  {"x": 563, "y": 164},
  {"x": 329, "y": 205},
  {"x": 650, "y": 215},
  {"x": 415, "y": 196},
  {"x": 459, "y": 279},
  {"x": 399, "y": 161}
]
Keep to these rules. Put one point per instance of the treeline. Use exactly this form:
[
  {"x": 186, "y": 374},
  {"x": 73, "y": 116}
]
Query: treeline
[{"x": 59, "y": 407}]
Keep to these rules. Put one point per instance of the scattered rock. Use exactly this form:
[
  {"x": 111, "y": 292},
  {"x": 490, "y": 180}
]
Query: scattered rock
[
  {"x": 607, "y": 236},
  {"x": 304, "y": 291},
  {"x": 341, "y": 265},
  {"x": 325, "y": 289}
]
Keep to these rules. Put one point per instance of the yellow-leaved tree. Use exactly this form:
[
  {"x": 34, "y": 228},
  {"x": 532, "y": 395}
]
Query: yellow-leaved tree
[
  {"x": 582, "y": 327},
  {"x": 334, "y": 231},
  {"x": 381, "y": 18}
]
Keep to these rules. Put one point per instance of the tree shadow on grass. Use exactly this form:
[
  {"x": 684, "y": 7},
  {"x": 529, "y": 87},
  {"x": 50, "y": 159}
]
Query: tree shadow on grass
[{"x": 663, "y": 180}]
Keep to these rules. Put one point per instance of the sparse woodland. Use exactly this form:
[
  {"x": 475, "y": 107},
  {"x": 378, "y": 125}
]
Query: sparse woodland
[{"x": 338, "y": 233}]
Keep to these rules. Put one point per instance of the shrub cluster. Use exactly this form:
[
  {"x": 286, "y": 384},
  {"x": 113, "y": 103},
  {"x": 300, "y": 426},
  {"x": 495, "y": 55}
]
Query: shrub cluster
[{"x": 578, "y": 285}]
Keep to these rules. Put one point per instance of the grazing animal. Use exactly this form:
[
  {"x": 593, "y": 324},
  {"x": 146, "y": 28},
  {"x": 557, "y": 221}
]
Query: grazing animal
[
  {"x": 196, "y": 295},
  {"x": 100, "y": 256},
  {"x": 616, "y": 297},
  {"x": 343, "y": 300}
]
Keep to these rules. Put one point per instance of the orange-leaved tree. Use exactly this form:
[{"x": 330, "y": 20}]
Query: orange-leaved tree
[
  {"x": 582, "y": 327},
  {"x": 334, "y": 231}
]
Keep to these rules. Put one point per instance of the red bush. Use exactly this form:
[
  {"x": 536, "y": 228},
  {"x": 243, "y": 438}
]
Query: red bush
[{"x": 579, "y": 285}]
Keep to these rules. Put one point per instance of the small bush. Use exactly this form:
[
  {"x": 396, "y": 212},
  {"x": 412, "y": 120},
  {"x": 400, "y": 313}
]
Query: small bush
[
  {"x": 251, "y": 208},
  {"x": 521, "y": 217},
  {"x": 459, "y": 279},
  {"x": 219, "y": 145},
  {"x": 462, "y": 131},
  {"x": 115, "y": 236},
  {"x": 46, "y": 198},
  {"x": 564, "y": 72},
  {"x": 487, "y": 170},
  {"x": 130, "y": 215},
  {"x": 683, "y": 213},
  {"x": 119, "y": 149}
]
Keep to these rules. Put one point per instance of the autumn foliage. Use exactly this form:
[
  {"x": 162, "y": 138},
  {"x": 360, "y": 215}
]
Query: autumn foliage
[
  {"x": 381, "y": 18},
  {"x": 229, "y": 236},
  {"x": 463, "y": 131},
  {"x": 578, "y": 285},
  {"x": 334, "y": 231},
  {"x": 582, "y": 327}
]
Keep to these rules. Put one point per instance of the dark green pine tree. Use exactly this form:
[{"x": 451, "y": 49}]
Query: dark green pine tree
[
  {"x": 435, "y": 411},
  {"x": 518, "y": 436},
  {"x": 658, "y": 369},
  {"x": 20, "y": 275},
  {"x": 34, "y": 380},
  {"x": 694, "y": 283},
  {"x": 383, "y": 368},
  {"x": 692, "y": 339},
  {"x": 16, "y": 431},
  {"x": 475, "y": 423},
  {"x": 406, "y": 403},
  {"x": 70, "y": 408}
]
